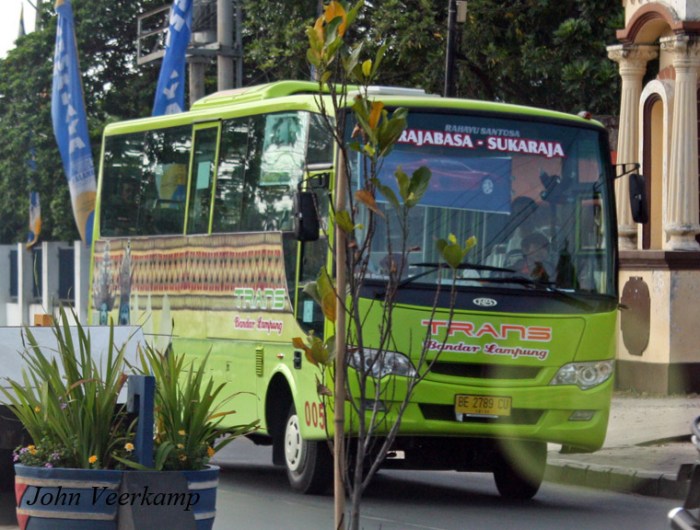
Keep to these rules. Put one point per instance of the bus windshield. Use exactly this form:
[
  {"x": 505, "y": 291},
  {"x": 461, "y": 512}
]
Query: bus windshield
[{"x": 535, "y": 194}]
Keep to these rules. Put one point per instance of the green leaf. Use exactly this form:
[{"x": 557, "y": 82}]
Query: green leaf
[
  {"x": 361, "y": 109},
  {"x": 388, "y": 194},
  {"x": 327, "y": 294},
  {"x": 403, "y": 182},
  {"x": 452, "y": 255},
  {"x": 452, "y": 252},
  {"x": 378, "y": 58},
  {"x": 344, "y": 221},
  {"x": 352, "y": 59},
  {"x": 367, "y": 68},
  {"x": 420, "y": 180},
  {"x": 470, "y": 243},
  {"x": 353, "y": 12}
]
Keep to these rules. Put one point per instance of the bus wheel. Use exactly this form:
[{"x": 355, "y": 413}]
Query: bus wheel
[
  {"x": 519, "y": 469},
  {"x": 309, "y": 463}
]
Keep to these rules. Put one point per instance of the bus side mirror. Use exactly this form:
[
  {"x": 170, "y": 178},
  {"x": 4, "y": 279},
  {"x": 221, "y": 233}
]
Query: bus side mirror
[
  {"x": 306, "y": 225},
  {"x": 638, "y": 198}
]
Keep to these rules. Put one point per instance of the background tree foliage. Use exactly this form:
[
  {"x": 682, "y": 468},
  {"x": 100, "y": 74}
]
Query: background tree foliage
[
  {"x": 541, "y": 52},
  {"x": 548, "y": 53},
  {"x": 114, "y": 89},
  {"x": 274, "y": 48}
]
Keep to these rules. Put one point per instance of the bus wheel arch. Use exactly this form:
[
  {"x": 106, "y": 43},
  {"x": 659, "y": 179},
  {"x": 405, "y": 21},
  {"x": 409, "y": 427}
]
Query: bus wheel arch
[{"x": 277, "y": 402}]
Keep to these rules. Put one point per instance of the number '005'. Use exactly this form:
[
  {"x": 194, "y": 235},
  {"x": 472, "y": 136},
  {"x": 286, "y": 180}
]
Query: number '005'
[{"x": 315, "y": 414}]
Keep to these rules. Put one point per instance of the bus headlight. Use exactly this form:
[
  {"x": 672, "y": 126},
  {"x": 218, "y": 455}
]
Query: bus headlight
[
  {"x": 584, "y": 375},
  {"x": 388, "y": 363}
]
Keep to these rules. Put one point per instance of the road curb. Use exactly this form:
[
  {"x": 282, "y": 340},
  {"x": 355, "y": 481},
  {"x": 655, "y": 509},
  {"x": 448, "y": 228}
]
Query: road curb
[{"x": 652, "y": 484}]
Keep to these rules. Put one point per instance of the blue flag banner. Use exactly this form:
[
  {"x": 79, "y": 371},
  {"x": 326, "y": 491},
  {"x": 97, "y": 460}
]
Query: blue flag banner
[
  {"x": 34, "y": 219},
  {"x": 70, "y": 122},
  {"x": 170, "y": 92}
]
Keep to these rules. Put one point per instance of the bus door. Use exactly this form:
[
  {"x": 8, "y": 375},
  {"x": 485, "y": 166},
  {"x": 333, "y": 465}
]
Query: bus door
[{"x": 202, "y": 177}]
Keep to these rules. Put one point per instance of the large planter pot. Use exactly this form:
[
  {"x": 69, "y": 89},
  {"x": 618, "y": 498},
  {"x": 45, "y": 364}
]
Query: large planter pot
[
  {"x": 205, "y": 483},
  {"x": 65, "y": 499},
  {"x": 77, "y": 499}
]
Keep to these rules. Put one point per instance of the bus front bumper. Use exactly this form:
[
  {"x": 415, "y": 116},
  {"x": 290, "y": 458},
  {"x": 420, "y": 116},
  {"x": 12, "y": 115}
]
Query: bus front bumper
[{"x": 564, "y": 415}]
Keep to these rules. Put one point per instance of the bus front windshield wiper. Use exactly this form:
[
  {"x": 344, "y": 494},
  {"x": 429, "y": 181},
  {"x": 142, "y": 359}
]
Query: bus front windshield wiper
[
  {"x": 433, "y": 267},
  {"x": 549, "y": 287}
]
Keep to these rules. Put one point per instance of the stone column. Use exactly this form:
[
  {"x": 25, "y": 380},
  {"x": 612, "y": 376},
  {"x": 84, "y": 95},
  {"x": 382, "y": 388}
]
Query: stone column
[
  {"x": 197, "y": 68},
  {"x": 632, "y": 61},
  {"x": 681, "y": 212}
]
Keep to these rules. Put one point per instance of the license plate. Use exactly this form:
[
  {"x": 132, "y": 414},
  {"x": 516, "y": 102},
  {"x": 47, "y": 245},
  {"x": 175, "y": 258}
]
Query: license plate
[{"x": 482, "y": 405}]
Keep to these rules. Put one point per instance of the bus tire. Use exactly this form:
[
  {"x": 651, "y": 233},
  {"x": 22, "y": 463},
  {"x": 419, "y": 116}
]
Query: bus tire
[
  {"x": 309, "y": 463},
  {"x": 519, "y": 469}
]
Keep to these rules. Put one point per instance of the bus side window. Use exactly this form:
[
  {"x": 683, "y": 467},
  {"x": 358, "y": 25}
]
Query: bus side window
[
  {"x": 165, "y": 180},
  {"x": 228, "y": 197},
  {"x": 274, "y": 166},
  {"x": 201, "y": 180},
  {"x": 123, "y": 175},
  {"x": 320, "y": 143}
]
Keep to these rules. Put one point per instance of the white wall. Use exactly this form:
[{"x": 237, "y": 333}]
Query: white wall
[{"x": 21, "y": 311}]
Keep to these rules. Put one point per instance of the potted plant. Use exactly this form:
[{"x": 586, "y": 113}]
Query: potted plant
[{"x": 81, "y": 470}]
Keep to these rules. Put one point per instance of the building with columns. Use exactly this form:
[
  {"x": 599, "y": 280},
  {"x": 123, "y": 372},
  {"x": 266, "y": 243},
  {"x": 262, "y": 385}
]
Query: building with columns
[{"x": 658, "y": 54}]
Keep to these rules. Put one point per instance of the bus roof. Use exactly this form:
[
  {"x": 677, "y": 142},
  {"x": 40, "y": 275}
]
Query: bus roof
[{"x": 289, "y": 95}]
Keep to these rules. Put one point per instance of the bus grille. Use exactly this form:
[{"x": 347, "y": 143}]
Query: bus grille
[
  {"x": 447, "y": 413},
  {"x": 485, "y": 371}
]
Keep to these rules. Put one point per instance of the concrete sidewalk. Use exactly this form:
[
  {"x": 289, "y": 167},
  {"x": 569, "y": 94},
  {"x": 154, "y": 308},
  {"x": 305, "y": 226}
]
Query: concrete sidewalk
[{"x": 647, "y": 449}]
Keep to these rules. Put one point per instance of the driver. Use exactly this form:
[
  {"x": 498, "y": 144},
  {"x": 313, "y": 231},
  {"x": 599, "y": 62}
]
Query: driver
[{"x": 535, "y": 263}]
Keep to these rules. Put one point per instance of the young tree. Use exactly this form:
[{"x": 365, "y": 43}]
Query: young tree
[{"x": 360, "y": 359}]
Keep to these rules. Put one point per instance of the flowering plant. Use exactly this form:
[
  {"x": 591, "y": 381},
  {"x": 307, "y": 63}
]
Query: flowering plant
[
  {"x": 45, "y": 454},
  {"x": 188, "y": 412},
  {"x": 68, "y": 402}
]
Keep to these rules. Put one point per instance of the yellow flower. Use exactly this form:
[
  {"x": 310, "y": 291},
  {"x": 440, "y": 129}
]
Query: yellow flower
[
  {"x": 182, "y": 432},
  {"x": 182, "y": 458},
  {"x": 180, "y": 446},
  {"x": 210, "y": 451},
  {"x": 129, "y": 447},
  {"x": 92, "y": 459},
  {"x": 31, "y": 449},
  {"x": 37, "y": 409}
]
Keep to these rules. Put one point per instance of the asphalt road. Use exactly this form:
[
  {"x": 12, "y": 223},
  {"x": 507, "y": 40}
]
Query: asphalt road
[{"x": 253, "y": 495}]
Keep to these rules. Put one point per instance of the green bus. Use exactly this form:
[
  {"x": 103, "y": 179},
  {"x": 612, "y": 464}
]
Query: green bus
[{"x": 195, "y": 241}]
